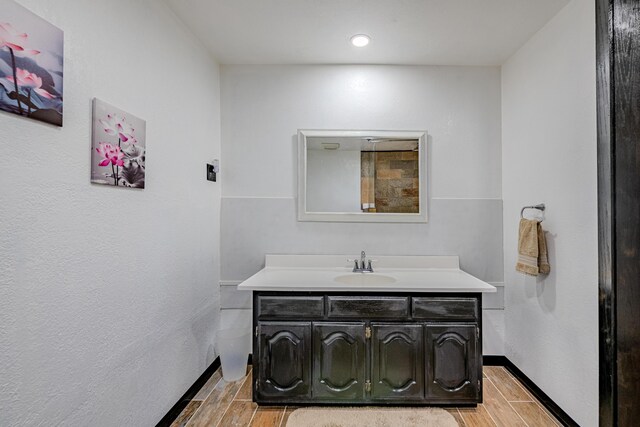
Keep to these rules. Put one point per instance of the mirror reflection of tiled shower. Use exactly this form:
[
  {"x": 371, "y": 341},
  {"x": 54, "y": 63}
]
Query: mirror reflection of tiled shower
[{"x": 390, "y": 181}]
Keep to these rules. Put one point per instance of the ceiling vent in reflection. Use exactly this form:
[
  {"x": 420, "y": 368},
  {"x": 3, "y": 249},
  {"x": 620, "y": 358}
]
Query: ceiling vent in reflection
[{"x": 330, "y": 145}]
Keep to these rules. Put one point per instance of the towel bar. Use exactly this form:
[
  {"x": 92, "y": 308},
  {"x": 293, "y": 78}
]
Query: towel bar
[{"x": 540, "y": 207}]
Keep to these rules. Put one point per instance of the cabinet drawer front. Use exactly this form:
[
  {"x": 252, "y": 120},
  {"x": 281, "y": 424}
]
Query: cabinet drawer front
[
  {"x": 367, "y": 307},
  {"x": 445, "y": 308},
  {"x": 290, "y": 306}
]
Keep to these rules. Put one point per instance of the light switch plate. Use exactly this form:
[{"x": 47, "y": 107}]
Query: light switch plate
[{"x": 211, "y": 172}]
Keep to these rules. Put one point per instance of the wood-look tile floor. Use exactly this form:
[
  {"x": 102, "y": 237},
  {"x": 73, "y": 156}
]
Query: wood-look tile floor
[{"x": 223, "y": 404}]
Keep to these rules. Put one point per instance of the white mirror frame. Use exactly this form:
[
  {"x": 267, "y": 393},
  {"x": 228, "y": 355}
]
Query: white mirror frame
[{"x": 303, "y": 215}]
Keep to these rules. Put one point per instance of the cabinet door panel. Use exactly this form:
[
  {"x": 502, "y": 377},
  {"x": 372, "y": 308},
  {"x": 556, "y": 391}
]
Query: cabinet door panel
[
  {"x": 338, "y": 360},
  {"x": 452, "y": 360},
  {"x": 285, "y": 360},
  {"x": 397, "y": 362}
]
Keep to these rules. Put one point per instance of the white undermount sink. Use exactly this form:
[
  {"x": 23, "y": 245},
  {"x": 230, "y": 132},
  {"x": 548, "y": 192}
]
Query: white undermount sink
[{"x": 365, "y": 279}]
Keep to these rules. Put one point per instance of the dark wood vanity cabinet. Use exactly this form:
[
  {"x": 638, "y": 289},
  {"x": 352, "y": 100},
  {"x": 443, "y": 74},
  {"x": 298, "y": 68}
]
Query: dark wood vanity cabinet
[{"x": 331, "y": 348}]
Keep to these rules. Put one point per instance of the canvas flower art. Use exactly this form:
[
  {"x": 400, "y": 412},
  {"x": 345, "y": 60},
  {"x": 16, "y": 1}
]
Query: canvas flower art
[
  {"x": 31, "y": 65},
  {"x": 118, "y": 147}
]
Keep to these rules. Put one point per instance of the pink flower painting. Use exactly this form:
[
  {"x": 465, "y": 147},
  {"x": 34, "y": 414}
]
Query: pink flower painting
[
  {"x": 118, "y": 147},
  {"x": 112, "y": 154},
  {"x": 12, "y": 39},
  {"x": 31, "y": 60},
  {"x": 30, "y": 81}
]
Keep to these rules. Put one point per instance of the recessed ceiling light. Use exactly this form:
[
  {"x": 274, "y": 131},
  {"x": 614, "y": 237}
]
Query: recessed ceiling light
[{"x": 360, "y": 40}]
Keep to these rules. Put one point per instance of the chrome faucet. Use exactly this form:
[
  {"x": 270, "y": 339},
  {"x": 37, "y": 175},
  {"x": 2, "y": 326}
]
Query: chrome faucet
[{"x": 360, "y": 268}]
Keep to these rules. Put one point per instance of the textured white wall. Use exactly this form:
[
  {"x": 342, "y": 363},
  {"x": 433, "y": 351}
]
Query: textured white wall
[
  {"x": 109, "y": 298},
  {"x": 263, "y": 106},
  {"x": 459, "y": 107},
  {"x": 549, "y": 155}
]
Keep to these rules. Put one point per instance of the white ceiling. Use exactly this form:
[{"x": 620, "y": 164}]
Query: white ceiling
[{"x": 436, "y": 32}]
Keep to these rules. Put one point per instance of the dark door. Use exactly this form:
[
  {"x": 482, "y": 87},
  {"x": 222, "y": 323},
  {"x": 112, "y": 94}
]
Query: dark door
[
  {"x": 452, "y": 362},
  {"x": 618, "y": 94},
  {"x": 397, "y": 361},
  {"x": 338, "y": 360},
  {"x": 285, "y": 360}
]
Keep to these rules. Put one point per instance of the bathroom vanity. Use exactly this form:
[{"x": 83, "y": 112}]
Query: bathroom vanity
[{"x": 409, "y": 333}]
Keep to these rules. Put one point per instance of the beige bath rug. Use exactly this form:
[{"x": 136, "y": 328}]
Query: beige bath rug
[{"x": 371, "y": 417}]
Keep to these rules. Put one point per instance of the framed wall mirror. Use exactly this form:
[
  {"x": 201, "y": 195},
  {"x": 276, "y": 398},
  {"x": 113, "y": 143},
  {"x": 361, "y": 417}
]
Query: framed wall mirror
[{"x": 362, "y": 176}]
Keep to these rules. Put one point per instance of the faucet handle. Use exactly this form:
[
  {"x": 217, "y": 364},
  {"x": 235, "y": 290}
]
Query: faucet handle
[{"x": 354, "y": 261}]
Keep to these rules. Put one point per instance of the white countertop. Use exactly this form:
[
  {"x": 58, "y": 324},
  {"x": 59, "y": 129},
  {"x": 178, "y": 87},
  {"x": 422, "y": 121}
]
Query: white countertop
[{"x": 317, "y": 273}]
